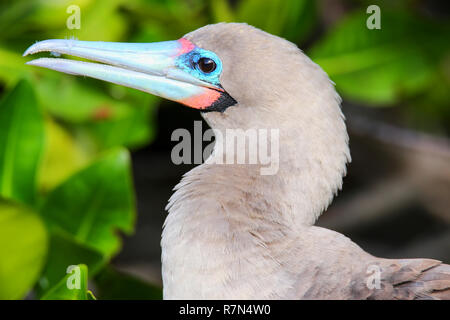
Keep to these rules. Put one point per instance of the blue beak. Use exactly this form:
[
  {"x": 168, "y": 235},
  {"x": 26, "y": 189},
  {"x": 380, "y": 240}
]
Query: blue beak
[{"x": 149, "y": 67}]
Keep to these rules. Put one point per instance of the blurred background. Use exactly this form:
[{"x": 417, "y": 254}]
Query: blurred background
[{"x": 85, "y": 167}]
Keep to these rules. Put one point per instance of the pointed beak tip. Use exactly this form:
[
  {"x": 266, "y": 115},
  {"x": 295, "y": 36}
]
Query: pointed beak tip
[
  {"x": 30, "y": 50},
  {"x": 27, "y": 52},
  {"x": 40, "y": 46},
  {"x": 46, "y": 63}
]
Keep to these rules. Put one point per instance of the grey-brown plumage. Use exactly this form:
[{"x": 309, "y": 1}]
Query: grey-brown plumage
[{"x": 233, "y": 233}]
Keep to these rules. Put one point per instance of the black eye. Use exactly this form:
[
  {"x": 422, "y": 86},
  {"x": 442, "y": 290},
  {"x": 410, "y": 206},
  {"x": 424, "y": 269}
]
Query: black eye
[{"x": 207, "y": 65}]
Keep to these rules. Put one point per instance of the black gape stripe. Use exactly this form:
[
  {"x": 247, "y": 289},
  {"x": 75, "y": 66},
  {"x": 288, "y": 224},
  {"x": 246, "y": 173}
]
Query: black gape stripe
[{"x": 221, "y": 104}]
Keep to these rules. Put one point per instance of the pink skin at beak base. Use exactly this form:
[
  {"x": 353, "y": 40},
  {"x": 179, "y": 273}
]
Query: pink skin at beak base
[{"x": 202, "y": 101}]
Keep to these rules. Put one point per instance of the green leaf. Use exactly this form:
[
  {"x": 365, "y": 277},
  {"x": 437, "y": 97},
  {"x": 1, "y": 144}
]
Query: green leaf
[
  {"x": 100, "y": 21},
  {"x": 22, "y": 143},
  {"x": 221, "y": 11},
  {"x": 112, "y": 284},
  {"x": 13, "y": 11},
  {"x": 76, "y": 100},
  {"x": 63, "y": 156},
  {"x": 108, "y": 121},
  {"x": 63, "y": 252},
  {"x": 132, "y": 130},
  {"x": 95, "y": 203},
  {"x": 23, "y": 247},
  {"x": 382, "y": 66},
  {"x": 172, "y": 18},
  {"x": 12, "y": 67},
  {"x": 74, "y": 286},
  {"x": 292, "y": 19},
  {"x": 42, "y": 19}
]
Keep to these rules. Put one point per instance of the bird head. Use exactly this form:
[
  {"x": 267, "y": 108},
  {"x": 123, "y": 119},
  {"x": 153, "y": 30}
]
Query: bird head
[{"x": 224, "y": 70}]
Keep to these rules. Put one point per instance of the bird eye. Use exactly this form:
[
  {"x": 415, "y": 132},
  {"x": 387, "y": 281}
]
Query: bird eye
[{"x": 206, "y": 65}]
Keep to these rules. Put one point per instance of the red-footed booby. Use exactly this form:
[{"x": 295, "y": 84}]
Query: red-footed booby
[{"x": 232, "y": 232}]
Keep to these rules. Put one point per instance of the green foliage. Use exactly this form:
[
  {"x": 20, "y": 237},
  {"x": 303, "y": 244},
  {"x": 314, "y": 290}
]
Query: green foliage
[
  {"x": 382, "y": 66},
  {"x": 288, "y": 18},
  {"x": 65, "y": 251},
  {"x": 406, "y": 62},
  {"x": 108, "y": 121},
  {"x": 23, "y": 248},
  {"x": 75, "y": 221},
  {"x": 22, "y": 141},
  {"x": 67, "y": 289},
  {"x": 103, "y": 116},
  {"x": 96, "y": 202},
  {"x": 62, "y": 156},
  {"x": 113, "y": 284}
]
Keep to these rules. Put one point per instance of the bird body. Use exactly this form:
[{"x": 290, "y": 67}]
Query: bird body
[{"x": 233, "y": 232}]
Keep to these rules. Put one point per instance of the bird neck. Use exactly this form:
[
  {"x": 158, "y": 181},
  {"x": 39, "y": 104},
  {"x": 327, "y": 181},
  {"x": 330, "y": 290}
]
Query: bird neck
[
  {"x": 295, "y": 190},
  {"x": 223, "y": 217}
]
